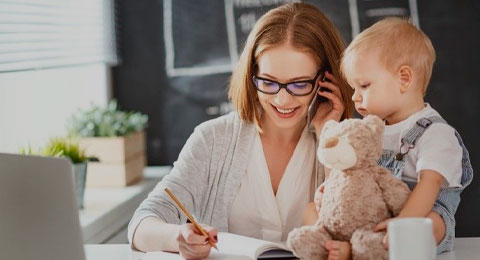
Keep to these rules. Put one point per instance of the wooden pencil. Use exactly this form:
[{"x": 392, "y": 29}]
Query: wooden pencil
[{"x": 190, "y": 217}]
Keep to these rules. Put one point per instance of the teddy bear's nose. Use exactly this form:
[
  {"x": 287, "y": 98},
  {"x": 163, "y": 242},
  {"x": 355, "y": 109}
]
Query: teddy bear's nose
[{"x": 331, "y": 142}]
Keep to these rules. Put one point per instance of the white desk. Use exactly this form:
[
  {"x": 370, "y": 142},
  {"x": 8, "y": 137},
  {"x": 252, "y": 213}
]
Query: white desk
[
  {"x": 465, "y": 249},
  {"x": 107, "y": 211}
]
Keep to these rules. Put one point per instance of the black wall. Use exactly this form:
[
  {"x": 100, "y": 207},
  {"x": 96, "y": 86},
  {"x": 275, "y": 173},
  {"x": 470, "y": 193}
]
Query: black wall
[{"x": 176, "y": 102}]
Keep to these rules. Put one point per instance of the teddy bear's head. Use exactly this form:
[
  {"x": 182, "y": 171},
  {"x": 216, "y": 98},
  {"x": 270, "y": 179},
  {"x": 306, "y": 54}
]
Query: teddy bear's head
[{"x": 352, "y": 143}]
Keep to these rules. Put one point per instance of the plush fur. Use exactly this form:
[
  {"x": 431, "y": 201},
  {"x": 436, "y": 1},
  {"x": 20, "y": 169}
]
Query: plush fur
[{"x": 358, "y": 195}]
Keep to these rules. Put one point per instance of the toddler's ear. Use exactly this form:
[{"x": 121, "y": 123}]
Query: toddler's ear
[
  {"x": 375, "y": 123},
  {"x": 406, "y": 77}
]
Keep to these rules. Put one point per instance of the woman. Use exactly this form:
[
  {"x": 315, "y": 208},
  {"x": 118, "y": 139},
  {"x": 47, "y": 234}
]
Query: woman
[{"x": 253, "y": 171}]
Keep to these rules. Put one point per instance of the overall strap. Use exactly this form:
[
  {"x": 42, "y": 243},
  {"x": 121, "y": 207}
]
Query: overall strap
[
  {"x": 409, "y": 140},
  {"x": 420, "y": 127}
]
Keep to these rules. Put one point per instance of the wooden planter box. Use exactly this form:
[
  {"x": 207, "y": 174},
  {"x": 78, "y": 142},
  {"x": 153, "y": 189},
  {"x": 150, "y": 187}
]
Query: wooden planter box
[{"x": 122, "y": 159}]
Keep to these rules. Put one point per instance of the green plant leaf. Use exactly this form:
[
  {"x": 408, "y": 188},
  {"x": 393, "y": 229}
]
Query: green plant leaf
[
  {"x": 106, "y": 121},
  {"x": 59, "y": 147}
]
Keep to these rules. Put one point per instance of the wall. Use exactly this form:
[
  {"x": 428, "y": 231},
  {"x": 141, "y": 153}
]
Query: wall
[{"x": 34, "y": 105}]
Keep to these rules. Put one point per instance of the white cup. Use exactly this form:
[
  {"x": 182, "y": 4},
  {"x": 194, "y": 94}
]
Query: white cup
[{"x": 412, "y": 239}]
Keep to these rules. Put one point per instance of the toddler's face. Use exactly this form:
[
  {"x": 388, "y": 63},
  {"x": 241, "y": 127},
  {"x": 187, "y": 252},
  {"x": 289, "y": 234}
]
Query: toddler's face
[{"x": 377, "y": 90}]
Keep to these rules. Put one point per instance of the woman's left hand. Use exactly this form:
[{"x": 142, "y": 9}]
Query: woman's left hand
[
  {"x": 332, "y": 110},
  {"x": 317, "y": 199},
  {"x": 383, "y": 226}
]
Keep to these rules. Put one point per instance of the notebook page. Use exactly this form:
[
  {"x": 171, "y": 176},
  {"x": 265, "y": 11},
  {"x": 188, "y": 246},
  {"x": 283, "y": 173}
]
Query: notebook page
[
  {"x": 230, "y": 246},
  {"x": 214, "y": 255},
  {"x": 243, "y": 245}
]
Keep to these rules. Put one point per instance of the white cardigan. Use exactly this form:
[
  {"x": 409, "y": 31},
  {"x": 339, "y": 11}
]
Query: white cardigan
[{"x": 207, "y": 175}]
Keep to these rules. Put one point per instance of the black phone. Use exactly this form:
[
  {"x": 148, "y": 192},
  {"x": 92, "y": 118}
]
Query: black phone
[{"x": 313, "y": 106}]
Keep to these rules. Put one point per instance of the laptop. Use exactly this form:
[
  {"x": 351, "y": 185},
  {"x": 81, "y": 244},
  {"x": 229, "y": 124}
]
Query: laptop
[{"x": 38, "y": 212}]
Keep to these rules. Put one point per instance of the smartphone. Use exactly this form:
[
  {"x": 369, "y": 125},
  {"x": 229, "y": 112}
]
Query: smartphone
[{"x": 313, "y": 106}]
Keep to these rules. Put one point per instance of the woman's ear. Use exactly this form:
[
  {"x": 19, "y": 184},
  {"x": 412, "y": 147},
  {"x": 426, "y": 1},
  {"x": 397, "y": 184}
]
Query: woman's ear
[{"x": 406, "y": 78}]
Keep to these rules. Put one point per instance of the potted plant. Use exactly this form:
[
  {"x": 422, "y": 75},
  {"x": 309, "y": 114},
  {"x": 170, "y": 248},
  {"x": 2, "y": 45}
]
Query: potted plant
[
  {"x": 116, "y": 138},
  {"x": 62, "y": 147}
]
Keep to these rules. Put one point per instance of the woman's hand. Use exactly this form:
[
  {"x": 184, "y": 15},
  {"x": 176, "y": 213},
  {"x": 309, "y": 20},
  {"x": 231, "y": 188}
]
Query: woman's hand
[
  {"x": 328, "y": 110},
  {"x": 317, "y": 199},
  {"x": 382, "y": 226},
  {"x": 192, "y": 244}
]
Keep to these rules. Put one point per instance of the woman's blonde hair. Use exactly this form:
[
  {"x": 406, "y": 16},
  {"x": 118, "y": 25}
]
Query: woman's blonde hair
[
  {"x": 398, "y": 43},
  {"x": 306, "y": 28}
]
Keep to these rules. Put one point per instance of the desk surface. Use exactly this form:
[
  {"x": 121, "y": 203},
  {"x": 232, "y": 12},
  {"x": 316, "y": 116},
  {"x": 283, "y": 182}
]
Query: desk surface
[{"x": 465, "y": 249}]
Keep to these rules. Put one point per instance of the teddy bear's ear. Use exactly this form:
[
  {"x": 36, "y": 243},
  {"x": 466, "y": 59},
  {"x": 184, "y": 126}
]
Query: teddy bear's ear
[
  {"x": 375, "y": 123},
  {"x": 329, "y": 124}
]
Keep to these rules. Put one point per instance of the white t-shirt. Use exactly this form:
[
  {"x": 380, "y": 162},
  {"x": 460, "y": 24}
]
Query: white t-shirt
[
  {"x": 256, "y": 211},
  {"x": 437, "y": 149}
]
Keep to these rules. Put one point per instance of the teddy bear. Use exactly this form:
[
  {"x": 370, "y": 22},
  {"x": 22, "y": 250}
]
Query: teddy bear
[{"x": 357, "y": 195}]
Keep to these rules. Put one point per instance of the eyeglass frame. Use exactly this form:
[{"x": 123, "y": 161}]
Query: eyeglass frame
[{"x": 284, "y": 85}]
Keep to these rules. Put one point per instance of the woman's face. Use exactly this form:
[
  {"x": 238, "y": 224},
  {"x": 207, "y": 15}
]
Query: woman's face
[{"x": 284, "y": 64}]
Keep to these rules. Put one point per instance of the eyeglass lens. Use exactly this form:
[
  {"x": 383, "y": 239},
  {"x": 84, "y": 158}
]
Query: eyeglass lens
[{"x": 298, "y": 88}]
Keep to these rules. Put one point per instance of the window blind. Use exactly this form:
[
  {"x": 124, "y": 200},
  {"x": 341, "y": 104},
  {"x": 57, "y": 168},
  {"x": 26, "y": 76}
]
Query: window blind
[{"x": 37, "y": 34}]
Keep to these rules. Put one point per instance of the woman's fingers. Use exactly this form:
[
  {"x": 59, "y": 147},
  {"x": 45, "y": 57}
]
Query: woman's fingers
[
  {"x": 331, "y": 77},
  {"x": 191, "y": 235},
  {"x": 319, "y": 192},
  {"x": 199, "y": 251},
  {"x": 192, "y": 244},
  {"x": 212, "y": 233},
  {"x": 185, "y": 250},
  {"x": 336, "y": 101},
  {"x": 333, "y": 87},
  {"x": 192, "y": 251},
  {"x": 385, "y": 241}
]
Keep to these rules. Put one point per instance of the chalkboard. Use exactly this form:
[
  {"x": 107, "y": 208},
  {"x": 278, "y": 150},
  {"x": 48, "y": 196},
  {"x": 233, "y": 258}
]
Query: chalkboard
[{"x": 177, "y": 57}]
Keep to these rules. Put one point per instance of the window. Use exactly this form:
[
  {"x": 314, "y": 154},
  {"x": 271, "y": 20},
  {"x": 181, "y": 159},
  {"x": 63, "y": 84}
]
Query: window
[{"x": 37, "y": 34}]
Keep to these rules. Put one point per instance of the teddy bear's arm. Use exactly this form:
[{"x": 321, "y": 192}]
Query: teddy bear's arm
[{"x": 395, "y": 192}]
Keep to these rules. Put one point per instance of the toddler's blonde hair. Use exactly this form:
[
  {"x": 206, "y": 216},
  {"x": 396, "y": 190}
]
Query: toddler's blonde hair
[{"x": 398, "y": 43}]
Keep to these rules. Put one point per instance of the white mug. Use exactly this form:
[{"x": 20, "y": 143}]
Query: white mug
[{"x": 412, "y": 239}]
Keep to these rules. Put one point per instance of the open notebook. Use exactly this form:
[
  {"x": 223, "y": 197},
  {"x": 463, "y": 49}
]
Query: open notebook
[{"x": 231, "y": 246}]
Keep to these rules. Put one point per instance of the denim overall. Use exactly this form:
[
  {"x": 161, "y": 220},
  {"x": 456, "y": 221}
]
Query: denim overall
[{"x": 448, "y": 198}]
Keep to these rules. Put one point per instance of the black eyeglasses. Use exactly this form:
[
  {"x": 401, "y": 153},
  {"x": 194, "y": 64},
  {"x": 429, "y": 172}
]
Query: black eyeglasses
[{"x": 295, "y": 88}]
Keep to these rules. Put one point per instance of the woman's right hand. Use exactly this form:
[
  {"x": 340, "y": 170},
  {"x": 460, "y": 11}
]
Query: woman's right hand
[{"x": 192, "y": 244}]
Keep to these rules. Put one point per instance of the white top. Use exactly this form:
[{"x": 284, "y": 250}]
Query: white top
[
  {"x": 438, "y": 149},
  {"x": 256, "y": 212}
]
